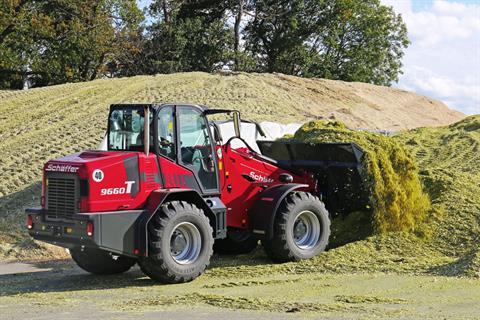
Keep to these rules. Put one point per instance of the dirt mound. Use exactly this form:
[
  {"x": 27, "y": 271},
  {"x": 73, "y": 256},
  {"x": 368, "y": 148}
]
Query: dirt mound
[{"x": 45, "y": 123}]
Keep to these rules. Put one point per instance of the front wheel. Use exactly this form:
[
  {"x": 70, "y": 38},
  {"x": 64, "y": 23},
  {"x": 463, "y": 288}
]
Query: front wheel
[
  {"x": 301, "y": 229},
  {"x": 100, "y": 262},
  {"x": 180, "y": 243}
]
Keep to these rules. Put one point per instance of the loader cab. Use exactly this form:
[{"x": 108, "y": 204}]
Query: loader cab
[{"x": 179, "y": 136}]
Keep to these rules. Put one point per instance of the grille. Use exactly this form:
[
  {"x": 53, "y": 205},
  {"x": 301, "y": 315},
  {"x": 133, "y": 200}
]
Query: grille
[{"x": 62, "y": 195}]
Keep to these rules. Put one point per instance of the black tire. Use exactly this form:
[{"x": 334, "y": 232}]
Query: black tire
[
  {"x": 164, "y": 264},
  {"x": 100, "y": 262},
  {"x": 289, "y": 245},
  {"x": 237, "y": 242}
]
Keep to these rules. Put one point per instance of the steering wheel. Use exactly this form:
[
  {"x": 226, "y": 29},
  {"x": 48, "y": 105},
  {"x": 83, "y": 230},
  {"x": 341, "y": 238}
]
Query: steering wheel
[
  {"x": 199, "y": 160},
  {"x": 165, "y": 142}
]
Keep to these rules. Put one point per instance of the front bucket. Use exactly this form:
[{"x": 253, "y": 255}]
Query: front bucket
[{"x": 337, "y": 166}]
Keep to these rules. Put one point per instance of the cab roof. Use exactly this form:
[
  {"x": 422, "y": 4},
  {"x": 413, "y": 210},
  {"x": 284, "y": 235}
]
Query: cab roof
[{"x": 156, "y": 105}]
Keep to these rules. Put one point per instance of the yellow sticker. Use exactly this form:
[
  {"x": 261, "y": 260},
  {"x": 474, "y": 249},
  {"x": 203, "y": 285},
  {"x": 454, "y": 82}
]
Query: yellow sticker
[{"x": 170, "y": 125}]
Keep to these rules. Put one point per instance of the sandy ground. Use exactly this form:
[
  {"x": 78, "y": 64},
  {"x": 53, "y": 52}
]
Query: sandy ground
[{"x": 60, "y": 290}]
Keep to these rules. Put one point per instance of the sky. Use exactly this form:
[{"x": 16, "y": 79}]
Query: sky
[{"x": 443, "y": 59}]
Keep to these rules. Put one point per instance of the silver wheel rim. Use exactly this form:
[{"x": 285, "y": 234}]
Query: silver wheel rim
[
  {"x": 185, "y": 243},
  {"x": 306, "y": 230}
]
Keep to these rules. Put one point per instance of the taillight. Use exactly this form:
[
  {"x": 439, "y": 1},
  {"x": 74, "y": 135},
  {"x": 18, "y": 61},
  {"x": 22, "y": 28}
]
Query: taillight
[
  {"x": 29, "y": 222},
  {"x": 89, "y": 228}
]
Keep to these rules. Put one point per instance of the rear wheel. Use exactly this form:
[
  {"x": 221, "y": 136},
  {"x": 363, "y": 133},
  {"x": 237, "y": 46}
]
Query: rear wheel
[
  {"x": 180, "y": 243},
  {"x": 98, "y": 261},
  {"x": 237, "y": 242},
  {"x": 301, "y": 229}
]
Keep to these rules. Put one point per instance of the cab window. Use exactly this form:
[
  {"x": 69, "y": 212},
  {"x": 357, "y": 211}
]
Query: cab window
[
  {"x": 126, "y": 129},
  {"x": 195, "y": 146},
  {"x": 166, "y": 133}
]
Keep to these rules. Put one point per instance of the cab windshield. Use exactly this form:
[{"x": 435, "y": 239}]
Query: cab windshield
[{"x": 125, "y": 130}]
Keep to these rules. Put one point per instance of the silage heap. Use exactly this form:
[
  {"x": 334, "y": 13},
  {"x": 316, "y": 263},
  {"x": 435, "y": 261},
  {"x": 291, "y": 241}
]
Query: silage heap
[
  {"x": 397, "y": 201},
  {"x": 448, "y": 159}
]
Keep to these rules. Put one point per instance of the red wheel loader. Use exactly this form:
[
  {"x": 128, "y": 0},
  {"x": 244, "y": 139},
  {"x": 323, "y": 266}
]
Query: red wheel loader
[{"x": 169, "y": 190}]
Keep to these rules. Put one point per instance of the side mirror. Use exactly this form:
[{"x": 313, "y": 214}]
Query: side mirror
[{"x": 236, "y": 123}]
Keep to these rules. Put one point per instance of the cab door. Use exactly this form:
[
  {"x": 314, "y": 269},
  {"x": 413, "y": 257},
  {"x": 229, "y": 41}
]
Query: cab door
[
  {"x": 174, "y": 175},
  {"x": 195, "y": 149}
]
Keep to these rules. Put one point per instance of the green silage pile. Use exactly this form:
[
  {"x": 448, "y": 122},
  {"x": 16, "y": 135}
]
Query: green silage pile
[
  {"x": 449, "y": 162},
  {"x": 397, "y": 200}
]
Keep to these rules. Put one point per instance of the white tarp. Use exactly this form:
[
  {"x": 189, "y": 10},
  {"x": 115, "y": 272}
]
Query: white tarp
[
  {"x": 103, "y": 145},
  {"x": 274, "y": 130},
  {"x": 249, "y": 133}
]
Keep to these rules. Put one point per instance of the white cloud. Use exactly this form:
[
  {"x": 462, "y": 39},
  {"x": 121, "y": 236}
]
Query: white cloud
[
  {"x": 452, "y": 92},
  {"x": 443, "y": 60},
  {"x": 449, "y": 7}
]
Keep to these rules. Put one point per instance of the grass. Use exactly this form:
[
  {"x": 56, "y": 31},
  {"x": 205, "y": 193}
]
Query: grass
[
  {"x": 46, "y": 123},
  {"x": 449, "y": 159},
  {"x": 391, "y": 274},
  {"x": 334, "y": 296}
]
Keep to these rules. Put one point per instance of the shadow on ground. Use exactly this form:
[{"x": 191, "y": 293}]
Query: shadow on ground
[
  {"x": 466, "y": 265},
  {"x": 61, "y": 276},
  {"x": 14, "y": 202},
  {"x": 64, "y": 275}
]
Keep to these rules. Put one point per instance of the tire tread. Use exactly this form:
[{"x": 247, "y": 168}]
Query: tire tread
[
  {"x": 155, "y": 266},
  {"x": 277, "y": 248}
]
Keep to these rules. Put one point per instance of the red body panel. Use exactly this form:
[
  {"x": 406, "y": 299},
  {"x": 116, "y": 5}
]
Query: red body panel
[
  {"x": 176, "y": 176},
  {"x": 238, "y": 193},
  {"x": 127, "y": 179},
  {"x": 119, "y": 188}
]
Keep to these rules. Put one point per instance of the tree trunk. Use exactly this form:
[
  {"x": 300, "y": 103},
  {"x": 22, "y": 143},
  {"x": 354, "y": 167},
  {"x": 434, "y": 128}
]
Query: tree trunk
[
  {"x": 165, "y": 11},
  {"x": 97, "y": 67},
  {"x": 238, "y": 21}
]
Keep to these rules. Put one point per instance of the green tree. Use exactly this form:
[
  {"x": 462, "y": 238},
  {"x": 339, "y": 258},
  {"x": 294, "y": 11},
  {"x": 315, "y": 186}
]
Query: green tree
[
  {"x": 359, "y": 41},
  {"x": 14, "y": 18},
  {"x": 186, "y": 36},
  {"x": 278, "y": 33},
  {"x": 337, "y": 39},
  {"x": 57, "y": 41}
]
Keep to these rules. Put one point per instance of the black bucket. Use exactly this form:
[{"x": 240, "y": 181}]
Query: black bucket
[{"x": 337, "y": 166}]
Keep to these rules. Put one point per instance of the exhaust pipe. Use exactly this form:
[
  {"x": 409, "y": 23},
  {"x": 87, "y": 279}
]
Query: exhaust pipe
[
  {"x": 146, "y": 130},
  {"x": 237, "y": 122}
]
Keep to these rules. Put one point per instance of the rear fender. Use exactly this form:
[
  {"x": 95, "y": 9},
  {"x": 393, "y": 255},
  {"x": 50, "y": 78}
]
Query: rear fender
[
  {"x": 262, "y": 214},
  {"x": 213, "y": 207}
]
